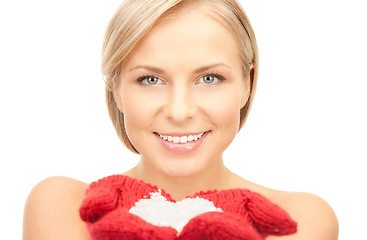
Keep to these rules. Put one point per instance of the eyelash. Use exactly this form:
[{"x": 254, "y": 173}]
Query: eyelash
[
  {"x": 143, "y": 77},
  {"x": 213, "y": 74}
]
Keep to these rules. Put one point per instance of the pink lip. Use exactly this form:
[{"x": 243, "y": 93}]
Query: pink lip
[
  {"x": 181, "y": 147},
  {"x": 180, "y": 134}
]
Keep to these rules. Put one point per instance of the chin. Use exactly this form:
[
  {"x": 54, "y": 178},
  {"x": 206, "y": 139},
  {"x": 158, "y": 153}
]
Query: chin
[{"x": 181, "y": 169}]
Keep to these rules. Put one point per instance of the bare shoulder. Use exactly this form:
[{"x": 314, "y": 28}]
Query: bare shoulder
[
  {"x": 315, "y": 218},
  {"x": 51, "y": 210}
]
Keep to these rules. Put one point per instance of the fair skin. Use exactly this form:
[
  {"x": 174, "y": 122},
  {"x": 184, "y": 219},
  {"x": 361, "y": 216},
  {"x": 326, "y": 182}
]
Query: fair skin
[
  {"x": 180, "y": 103},
  {"x": 184, "y": 95}
]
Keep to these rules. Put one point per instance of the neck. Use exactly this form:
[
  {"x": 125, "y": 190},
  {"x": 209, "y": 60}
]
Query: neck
[{"x": 179, "y": 187}]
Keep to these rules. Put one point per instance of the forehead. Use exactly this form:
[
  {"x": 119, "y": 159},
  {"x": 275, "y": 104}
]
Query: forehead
[{"x": 186, "y": 39}]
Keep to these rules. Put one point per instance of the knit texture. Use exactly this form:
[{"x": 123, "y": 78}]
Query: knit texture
[{"x": 245, "y": 214}]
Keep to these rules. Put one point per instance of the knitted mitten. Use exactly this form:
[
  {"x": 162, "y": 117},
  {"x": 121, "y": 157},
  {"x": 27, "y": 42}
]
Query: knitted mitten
[{"x": 119, "y": 207}]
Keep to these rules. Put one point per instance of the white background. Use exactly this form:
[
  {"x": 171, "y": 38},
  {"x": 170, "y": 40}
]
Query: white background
[{"x": 306, "y": 131}]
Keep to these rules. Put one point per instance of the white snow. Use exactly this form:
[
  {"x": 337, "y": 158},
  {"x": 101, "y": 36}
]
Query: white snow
[{"x": 160, "y": 212}]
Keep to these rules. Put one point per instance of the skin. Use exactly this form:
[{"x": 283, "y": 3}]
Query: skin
[{"x": 180, "y": 102}]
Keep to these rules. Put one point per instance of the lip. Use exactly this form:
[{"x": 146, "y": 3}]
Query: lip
[
  {"x": 181, "y": 148},
  {"x": 176, "y": 134}
]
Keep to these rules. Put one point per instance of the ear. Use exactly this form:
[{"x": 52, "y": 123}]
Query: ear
[
  {"x": 117, "y": 98},
  {"x": 246, "y": 88}
]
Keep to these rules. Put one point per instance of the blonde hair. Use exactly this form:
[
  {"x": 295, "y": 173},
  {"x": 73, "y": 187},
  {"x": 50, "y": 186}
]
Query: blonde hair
[{"x": 134, "y": 19}]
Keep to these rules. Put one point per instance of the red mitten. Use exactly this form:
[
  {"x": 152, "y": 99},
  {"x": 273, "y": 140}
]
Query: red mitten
[
  {"x": 119, "y": 207},
  {"x": 120, "y": 224},
  {"x": 219, "y": 226},
  {"x": 267, "y": 217}
]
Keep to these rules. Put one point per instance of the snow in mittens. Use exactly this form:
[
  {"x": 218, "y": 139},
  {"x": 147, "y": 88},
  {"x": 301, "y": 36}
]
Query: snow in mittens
[{"x": 160, "y": 212}]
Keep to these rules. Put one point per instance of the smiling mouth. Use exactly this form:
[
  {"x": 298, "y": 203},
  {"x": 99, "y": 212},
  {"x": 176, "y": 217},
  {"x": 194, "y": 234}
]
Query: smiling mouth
[{"x": 181, "y": 139}]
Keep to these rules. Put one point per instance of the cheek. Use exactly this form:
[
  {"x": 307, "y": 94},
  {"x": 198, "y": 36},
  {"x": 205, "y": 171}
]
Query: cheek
[
  {"x": 138, "y": 109},
  {"x": 224, "y": 110}
]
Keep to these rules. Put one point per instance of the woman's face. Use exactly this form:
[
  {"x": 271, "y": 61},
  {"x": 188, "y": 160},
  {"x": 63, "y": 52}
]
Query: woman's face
[{"x": 181, "y": 91}]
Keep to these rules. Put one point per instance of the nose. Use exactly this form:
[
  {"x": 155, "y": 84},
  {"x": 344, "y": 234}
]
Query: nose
[{"x": 180, "y": 105}]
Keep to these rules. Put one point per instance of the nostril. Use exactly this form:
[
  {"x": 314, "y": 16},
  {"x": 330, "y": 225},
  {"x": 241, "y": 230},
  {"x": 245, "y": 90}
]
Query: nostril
[{"x": 180, "y": 112}]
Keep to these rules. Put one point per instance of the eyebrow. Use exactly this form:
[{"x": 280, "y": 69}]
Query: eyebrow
[{"x": 198, "y": 70}]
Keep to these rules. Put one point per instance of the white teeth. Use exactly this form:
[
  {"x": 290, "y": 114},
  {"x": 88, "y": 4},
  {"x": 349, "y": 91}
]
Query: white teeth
[{"x": 182, "y": 139}]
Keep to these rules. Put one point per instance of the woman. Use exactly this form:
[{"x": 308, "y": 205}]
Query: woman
[{"x": 180, "y": 80}]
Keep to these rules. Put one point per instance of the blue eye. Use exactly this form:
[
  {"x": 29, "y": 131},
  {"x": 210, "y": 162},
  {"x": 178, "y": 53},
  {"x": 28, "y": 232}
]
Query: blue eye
[
  {"x": 211, "y": 78},
  {"x": 150, "y": 80}
]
